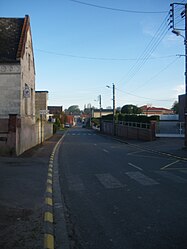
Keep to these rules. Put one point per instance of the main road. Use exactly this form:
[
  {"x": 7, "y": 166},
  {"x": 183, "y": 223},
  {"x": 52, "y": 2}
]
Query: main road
[{"x": 120, "y": 196}]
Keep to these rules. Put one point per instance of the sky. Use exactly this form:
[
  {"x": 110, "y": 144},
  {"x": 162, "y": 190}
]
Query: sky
[{"x": 80, "y": 47}]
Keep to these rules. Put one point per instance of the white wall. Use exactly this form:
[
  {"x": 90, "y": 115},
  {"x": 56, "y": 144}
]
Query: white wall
[{"x": 10, "y": 88}]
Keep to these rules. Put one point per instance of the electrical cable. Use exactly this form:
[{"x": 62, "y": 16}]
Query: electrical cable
[
  {"x": 157, "y": 74},
  {"x": 145, "y": 55},
  {"x": 142, "y": 97},
  {"x": 116, "y": 9},
  {"x": 97, "y": 58}
]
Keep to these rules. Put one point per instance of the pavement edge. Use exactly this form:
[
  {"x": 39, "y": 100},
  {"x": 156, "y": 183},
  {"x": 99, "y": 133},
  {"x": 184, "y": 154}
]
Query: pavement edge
[{"x": 54, "y": 206}]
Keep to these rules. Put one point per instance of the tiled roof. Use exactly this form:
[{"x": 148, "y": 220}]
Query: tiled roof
[
  {"x": 12, "y": 38},
  {"x": 152, "y": 108}
]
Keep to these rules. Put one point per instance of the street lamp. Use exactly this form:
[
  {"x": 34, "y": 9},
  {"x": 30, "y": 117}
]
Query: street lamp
[{"x": 114, "y": 109}]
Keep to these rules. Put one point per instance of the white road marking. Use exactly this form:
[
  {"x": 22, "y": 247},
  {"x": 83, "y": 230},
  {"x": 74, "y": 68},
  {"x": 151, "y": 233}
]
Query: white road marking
[
  {"x": 141, "y": 178},
  {"x": 134, "y": 152},
  {"x": 130, "y": 164},
  {"x": 108, "y": 181},
  {"x": 106, "y": 151},
  {"x": 166, "y": 166}
]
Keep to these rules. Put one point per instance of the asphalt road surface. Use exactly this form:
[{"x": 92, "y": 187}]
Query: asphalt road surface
[{"x": 119, "y": 196}]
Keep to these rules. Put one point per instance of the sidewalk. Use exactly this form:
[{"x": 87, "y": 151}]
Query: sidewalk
[{"x": 22, "y": 190}]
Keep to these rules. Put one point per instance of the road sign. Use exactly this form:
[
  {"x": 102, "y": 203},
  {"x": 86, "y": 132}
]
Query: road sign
[{"x": 44, "y": 112}]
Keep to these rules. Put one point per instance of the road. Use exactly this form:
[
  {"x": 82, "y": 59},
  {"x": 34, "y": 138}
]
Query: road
[{"x": 119, "y": 196}]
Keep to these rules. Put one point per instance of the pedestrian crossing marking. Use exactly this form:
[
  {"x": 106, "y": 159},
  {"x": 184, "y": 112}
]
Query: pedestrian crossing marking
[
  {"x": 108, "y": 181},
  {"x": 141, "y": 178}
]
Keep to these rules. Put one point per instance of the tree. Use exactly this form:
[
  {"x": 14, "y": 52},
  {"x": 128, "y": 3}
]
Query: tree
[
  {"x": 74, "y": 109},
  {"x": 118, "y": 109},
  {"x": 175, "y": 107},
  {"x": 130, "y": 109}
]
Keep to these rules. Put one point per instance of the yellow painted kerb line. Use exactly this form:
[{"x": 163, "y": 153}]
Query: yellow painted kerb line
[
  {"x": 49, "y": 216},
  {"x": 48, "y": 241}
]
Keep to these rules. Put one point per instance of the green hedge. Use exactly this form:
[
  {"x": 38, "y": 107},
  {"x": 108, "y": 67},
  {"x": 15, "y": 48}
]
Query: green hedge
[{"x": 131, "y": 118}]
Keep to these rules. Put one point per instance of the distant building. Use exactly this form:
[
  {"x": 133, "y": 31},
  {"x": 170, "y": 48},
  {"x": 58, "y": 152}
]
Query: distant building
[
  {"x": 103, "y": 112},
  {"x": 150, "y": 110},
  {"x": 55, "y": 112},
  {"x": 55, "y": 109},
  {"x": 41, "y": 99}
]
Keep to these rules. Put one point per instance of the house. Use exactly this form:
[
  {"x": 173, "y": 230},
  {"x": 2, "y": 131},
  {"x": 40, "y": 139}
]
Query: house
[
  {"x": 41, "y": 105},
  {"x": 18, "y": 128},
  {"x": 150, "y": 110},
  {"x": 103, "y": 112},
  {"x": 56, "y": 112}
]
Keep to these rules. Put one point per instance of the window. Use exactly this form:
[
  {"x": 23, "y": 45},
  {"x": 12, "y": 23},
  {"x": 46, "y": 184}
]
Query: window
[{"x": 29, "y": 61}]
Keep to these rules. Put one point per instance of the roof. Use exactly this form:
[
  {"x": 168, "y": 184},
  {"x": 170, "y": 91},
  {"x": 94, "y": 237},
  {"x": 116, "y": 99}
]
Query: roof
[
  {"x": 13, "y": 33},
  {"x": 55, "y": 109},
  {"x": 152, "y": 108}
]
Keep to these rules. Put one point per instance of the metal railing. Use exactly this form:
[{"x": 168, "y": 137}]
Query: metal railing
[
  {"x": 135, "y": 124},
  {"x": 170, "y": 127}
]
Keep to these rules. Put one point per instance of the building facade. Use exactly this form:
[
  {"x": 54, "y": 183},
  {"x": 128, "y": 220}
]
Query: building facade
[
  {"x": 151, "y": 110},
  {"x": 17, "y": 86}
]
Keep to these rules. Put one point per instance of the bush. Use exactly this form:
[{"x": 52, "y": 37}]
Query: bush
[{"x": 137, "y": 118}]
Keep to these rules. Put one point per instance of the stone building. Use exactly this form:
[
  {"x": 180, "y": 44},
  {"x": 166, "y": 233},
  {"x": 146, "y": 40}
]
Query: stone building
[
  {"x": 18, "y": 131},
  {"x": 41, "y": 103}
]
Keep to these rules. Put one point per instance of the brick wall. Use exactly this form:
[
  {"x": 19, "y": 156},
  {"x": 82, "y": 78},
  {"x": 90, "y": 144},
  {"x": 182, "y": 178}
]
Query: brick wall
[
  {"x": 18, "y": 135},
  {"x": 129, "y": 132}
]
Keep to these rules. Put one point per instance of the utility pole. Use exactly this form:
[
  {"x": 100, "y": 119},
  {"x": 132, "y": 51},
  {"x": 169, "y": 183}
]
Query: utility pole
[
  {"x": 176, "y": 30},
  {"x": 114, "y": 109},
  {"x": 100, "y": 121},
  {"x": 100, "y": 105}
]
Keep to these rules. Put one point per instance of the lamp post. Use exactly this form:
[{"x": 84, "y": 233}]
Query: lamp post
[{"x": 114, "y": 108}]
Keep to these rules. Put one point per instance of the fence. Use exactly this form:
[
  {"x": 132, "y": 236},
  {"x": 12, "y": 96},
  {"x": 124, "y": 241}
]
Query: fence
[
  {"x": 20, "y": 134},
  {"x": 130, "y": 130},
  {"x": 170, "y": 128}
]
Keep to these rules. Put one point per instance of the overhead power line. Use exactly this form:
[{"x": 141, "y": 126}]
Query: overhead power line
[
  {"x": 116, "y": 9},
  {"x": 157, "y": 74},
  {"x": 143, "y": 97},
  {"x": 150, "y": 48},
  {"x": 98, "y": 58}
]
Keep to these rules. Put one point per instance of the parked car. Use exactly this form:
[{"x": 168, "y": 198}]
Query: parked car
[{"x": 67, "y": 125}]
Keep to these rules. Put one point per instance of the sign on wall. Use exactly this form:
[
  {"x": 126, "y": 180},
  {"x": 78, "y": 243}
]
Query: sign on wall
[
  {"x": 26, "y": 92},
  {"x": 44, "y": 112}
]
